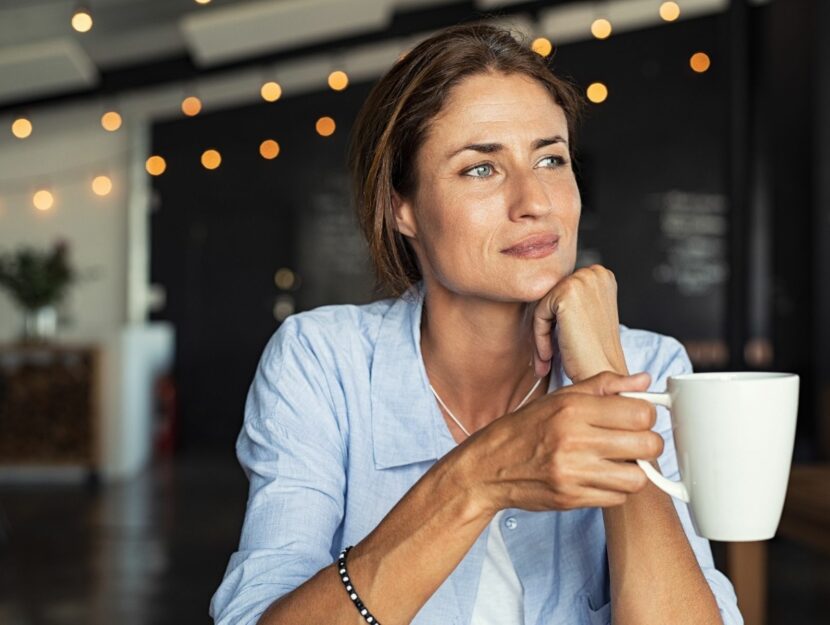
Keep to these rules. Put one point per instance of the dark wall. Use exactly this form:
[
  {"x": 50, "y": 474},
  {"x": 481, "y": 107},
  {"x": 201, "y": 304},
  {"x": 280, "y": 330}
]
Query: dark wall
[
  {"x": 219, "y": 237},
  {"x": 821, "y": 173},
  {"x": 654, "y": 165},
  {"x": 653, "y": 177}
]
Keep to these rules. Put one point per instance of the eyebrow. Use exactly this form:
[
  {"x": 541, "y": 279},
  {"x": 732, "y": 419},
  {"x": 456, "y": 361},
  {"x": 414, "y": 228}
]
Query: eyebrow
[{"x": 489, "y": 148}]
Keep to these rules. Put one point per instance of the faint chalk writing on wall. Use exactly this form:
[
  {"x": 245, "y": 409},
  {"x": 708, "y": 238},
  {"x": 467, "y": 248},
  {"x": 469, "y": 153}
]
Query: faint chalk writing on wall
[{"x": 693, "y": 229}]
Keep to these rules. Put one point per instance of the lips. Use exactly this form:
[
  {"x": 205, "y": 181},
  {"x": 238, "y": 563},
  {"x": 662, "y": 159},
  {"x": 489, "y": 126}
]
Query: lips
[{"x": 535, "y": 245}]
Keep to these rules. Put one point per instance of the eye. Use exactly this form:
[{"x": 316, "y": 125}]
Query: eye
[
  {"x": 480, "y": 171},
  {"x": 552, "y": 162}
]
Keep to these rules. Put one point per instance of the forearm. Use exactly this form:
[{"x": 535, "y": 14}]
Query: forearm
[
  {"x": 655, "y": 576},
  {"x": 403, "y": 561}
]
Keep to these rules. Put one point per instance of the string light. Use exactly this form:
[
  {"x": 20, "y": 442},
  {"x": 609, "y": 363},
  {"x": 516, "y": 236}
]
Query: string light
[
  {"x": 338, "y": 80},
  {"x": 155, "y": 165},
  {"x": 669, "y": 11},
  {"x": 601, "y": 28},
  {"x": 43, "y": 200},
  {"x": 284, "y": 278},
  {"x": 325, "y": 126},
  {"x": 21, "y": 128},
  {"x": 82, "y": 21},
  {"x": 191, "y": 106},
  {"x": 111, "y": 121},
  {"x": 101, "y": 185},
  {"x": 269, "y": 149},
  {"x": 211, "y": 159},
  {"x": 700, "y": 62},
  {"x": 271, "y": 91},
  {"x": 542, "y": 46},
  {"x": 597, "y": 92}
]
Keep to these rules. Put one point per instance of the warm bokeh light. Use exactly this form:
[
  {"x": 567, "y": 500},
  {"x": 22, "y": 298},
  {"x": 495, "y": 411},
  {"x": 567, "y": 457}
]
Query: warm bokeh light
[
  {"x": 155, "y": 165},
  {"x": 101, "y": 185},
  {"x": 284, "y": 278},
  {"x": 21, "y": 128},
  {"x": 669, "y": 11},
  {"x": 269, "y": 149},
  {"x": 43, "y": 200},
  {"x": 202, "y": 1},
  {"x": 191, "y": 106},
  {"x": 700, "y": 62},
  {"x": 111, "y": 121},
  {"x": 82, "y": 21},
  {"x": 542, "y": 46},
  {"x": 211, "y": 159},
  {"x": 283, "y": 307},
  {"x": 271, "y": 91},
  {"x": 325, "y": 126},
  {"x": 338, "y": 80},
  {"x": 597, "y": 92},
  {"x": 601, "y": 28}
]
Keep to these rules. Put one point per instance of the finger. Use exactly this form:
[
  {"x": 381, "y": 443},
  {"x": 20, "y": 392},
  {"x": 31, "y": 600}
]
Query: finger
[
  {"x": 609, "y": 383},
  {"x": 540, "y": 367},
  {"x": 590, "y": 497},
  {"x": 610, "y": 412},
  {"x": 544, "y": 318},
  {"x": 621, "y": 477},
  {"x": 628, "y": 445}
]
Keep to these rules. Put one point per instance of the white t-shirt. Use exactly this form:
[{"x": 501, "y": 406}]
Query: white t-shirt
[{"x": 499, "y": 599}]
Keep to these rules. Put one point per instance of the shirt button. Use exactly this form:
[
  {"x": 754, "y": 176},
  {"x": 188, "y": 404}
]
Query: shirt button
[{"x": 511, "y": 523}]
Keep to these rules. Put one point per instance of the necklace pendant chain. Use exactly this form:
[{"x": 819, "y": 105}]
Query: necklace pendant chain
[{"x": 458, "y": 423}]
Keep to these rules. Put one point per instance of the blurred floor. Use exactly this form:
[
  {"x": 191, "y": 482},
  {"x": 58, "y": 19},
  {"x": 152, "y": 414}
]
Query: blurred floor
[{"x": 152, "y": 551}]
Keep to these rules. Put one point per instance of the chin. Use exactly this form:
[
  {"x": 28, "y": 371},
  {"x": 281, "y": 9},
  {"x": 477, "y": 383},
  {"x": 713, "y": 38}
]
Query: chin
[{"x": 530, "y": 288}]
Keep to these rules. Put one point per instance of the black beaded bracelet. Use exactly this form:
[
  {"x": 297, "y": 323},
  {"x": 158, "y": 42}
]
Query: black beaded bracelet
[{"x": 347, "y": 582}]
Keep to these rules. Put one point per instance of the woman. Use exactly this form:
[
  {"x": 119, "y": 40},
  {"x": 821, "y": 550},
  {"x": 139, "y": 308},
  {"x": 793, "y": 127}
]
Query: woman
[{"x": 474, "y": 458}]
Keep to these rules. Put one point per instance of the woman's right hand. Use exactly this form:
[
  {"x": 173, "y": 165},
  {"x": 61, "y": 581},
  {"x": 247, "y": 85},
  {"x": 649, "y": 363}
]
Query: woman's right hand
[{"x": 568, "y": 449}]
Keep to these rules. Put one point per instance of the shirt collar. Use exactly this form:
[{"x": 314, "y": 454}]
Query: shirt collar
[{"x": 405, "y": 418}]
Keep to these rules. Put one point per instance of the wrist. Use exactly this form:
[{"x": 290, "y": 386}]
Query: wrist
[{"x": 462, "y": 473}]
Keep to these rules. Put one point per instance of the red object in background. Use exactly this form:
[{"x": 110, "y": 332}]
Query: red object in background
[{"x": 166, "y": 416}]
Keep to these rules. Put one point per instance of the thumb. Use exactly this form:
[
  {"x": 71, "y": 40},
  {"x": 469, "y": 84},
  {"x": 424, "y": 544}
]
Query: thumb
[{"x": 608, "y": 383}]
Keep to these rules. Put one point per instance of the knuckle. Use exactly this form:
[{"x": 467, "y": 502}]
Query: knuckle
[
  {"x": 607, "y": 377},
  {"x": 566, "y": 501},
  {"x": 569, "y": 406},
  {"x": 559, "y": 476}
]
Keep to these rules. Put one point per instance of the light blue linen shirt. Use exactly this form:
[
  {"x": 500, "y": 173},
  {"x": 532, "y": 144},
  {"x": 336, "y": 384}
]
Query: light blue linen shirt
[{"x": 340, "y": 423}]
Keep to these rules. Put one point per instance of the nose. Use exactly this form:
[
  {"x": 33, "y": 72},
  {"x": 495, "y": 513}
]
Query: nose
[{"x": 528, "y": 196}]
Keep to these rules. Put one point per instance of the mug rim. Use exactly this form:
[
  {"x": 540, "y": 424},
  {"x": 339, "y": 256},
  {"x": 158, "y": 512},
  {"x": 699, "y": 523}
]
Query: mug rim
[{"x": 733, "y": 376}]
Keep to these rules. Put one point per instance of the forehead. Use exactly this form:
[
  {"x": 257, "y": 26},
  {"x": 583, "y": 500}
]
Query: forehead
[{"x": 495, "y": 102}]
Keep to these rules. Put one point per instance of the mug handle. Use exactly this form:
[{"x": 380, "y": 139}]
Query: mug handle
[{"x": 670, "y": 487}]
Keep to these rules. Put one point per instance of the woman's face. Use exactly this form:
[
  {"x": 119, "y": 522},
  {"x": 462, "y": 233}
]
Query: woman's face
[{"x": 494, "y": 172}]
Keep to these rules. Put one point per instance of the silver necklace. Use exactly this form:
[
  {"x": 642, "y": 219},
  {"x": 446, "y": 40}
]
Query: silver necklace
[{"x": 458, "y": 423}]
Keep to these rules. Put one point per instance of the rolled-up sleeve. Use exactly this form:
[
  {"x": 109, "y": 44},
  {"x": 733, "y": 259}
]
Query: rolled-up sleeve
[
  {"x": 676, "y": 362},
  {"x": 292, "y": 450}
]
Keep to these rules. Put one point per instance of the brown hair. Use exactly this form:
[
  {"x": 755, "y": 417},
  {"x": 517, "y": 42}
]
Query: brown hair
[{"x": 392, "y": 125}]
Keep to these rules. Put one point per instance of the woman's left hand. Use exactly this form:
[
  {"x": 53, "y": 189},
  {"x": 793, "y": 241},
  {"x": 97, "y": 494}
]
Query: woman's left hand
[{"x": 583, "y": 309}]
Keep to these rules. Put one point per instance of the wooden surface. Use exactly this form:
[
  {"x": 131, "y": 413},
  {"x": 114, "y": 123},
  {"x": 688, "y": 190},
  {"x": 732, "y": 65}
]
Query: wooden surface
[
  {"x": 806, "y": 519},
  {"x": 747, "y": 569},
  {"x": 48, "y": 405},
  {"x": 806, "y": 516}
]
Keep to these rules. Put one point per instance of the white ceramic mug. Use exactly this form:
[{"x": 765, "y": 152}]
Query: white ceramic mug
[{"x": 734, "y": 435}]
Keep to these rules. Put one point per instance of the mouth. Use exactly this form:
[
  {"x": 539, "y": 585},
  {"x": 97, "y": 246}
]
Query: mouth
[{"x": 537, "y": 246}]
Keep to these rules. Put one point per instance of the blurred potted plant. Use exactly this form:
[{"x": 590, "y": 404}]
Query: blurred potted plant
[{"x": 38, "y": 280}]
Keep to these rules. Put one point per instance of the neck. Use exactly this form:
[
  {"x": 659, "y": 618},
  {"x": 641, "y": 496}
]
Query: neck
[{"x": 478, "y": 354}]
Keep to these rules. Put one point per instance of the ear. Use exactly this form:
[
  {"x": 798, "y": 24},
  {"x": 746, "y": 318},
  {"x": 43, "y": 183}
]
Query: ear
[{"x": 404, "y": 216}]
